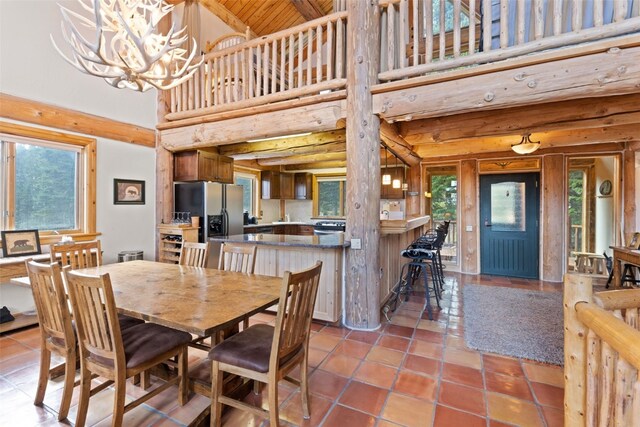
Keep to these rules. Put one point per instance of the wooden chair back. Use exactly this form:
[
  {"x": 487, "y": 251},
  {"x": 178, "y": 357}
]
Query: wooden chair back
[
  {"x": 228, "y": 40},
  {"x": 237, "y": 258},
  {"x": 194, "y": 254},
  {"x": 295, "y": 310},
  {"x": 96, "y": 319},
  {"x": 50, "y": 298},
  {"x": 78, "y": 254}
]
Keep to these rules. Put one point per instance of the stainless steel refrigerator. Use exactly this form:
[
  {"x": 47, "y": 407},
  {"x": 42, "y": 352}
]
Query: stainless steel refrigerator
[{"x": 219, "y": 207}]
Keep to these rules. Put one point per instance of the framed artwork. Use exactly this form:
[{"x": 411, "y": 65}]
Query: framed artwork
[
  {"x": 128, "y": 192},
  {"x": 20, "y": 242},
  {"x": 635, "y": 241}
]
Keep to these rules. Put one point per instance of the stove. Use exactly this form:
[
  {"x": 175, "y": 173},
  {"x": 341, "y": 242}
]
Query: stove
[{"x": 329, "y": 226}]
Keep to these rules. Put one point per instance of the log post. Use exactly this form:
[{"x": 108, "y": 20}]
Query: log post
[
  {"x": 629, "y": 192},
  {"x": 577, "y": 288},
  {"x": 362, "y": 299},
  {"x": 553, "y": 255},
  {"x": 164, "y": 158}
]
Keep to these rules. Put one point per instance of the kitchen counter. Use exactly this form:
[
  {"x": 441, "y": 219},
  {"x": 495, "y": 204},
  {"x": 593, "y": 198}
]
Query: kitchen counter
[
  {"x": 400, "y": 226},
  {"x": 271, "y": 224},
  {"x": 336, "y": 240}
]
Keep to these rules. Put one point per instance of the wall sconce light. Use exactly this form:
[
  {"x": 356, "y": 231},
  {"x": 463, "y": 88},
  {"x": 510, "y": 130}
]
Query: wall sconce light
[
  {"x": 526, "y": 145},
  {"x": 427, "y": 194},
  {"x": 386, "y": 178}
]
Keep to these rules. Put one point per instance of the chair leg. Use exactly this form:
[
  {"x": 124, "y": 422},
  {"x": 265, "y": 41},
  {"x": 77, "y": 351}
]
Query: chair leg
[
  {"x": 67, "y": 391},
  {"x": 118, "y": 400},
  {"x": 85, "y": 394},
  {"x": 183, "y": 372},
  {"x": 216, "y": 392},
  {"x": 274, "y": 417},
  {"x": 426, "y": 294},
  {"x": 43, "y": 377},
  {"x": 145, "y": 380},
  {"x": 304, "y": 387}
]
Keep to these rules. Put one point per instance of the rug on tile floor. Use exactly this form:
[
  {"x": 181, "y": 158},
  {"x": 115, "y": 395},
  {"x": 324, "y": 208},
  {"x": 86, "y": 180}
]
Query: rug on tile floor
[{"x": 514, "y": 322}]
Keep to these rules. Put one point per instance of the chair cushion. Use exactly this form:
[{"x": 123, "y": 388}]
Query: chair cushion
[
  {"x": 145, "y": 341},
  {"x": 250, "y": 349},
  {"x": 128, "y": 321}
]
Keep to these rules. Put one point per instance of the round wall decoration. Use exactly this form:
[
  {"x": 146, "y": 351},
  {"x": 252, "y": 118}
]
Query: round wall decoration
[{"x": 605, "y": 187}]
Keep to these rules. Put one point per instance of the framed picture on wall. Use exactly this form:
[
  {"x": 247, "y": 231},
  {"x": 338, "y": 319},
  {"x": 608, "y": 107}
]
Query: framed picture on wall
[
  {"x": 20, "y": 242},
  {"x": 128, "y": 192},
  {"x": 635, "y": 241}
]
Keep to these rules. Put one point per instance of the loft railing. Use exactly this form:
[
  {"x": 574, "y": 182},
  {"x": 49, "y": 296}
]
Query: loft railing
[
  {"x": 302, "y": 60},
  {"x": 423, "y": 36},
  {"x": 602, "y": 355}
]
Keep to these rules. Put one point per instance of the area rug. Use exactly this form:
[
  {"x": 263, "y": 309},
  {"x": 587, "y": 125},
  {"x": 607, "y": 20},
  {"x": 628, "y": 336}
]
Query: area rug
[{"x": 514, "y": 322}]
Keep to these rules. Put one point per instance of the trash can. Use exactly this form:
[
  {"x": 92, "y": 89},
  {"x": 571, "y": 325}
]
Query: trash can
[{"x": 129, "y": 255}]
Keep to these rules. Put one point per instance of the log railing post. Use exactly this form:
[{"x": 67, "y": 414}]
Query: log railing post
[
  {"x": 577, "y": 288},
  {"x": 362, "y": 299}
]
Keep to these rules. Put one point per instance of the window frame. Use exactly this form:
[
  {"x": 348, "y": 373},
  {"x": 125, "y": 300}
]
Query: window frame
[
  {"x": 86, "y": 177},
  {"x": 255, "y": 177},
  {"x": 316, "y": 193}
]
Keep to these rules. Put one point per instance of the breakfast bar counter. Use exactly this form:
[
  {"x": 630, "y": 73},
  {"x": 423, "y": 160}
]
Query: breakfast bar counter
[{"x": 277, "y": 253}]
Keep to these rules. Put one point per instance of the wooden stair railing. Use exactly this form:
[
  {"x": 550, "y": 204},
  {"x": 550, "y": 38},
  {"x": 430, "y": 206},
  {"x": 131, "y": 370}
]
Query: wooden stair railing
[{"x": 602, "y": 355}]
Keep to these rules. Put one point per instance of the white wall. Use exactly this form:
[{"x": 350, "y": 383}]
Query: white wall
[
  {"x": 31, "y": 68},
  {"x": 604, "y": 169}
]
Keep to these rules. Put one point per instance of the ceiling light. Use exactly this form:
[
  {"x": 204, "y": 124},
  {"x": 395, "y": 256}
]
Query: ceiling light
[
  {"x": 128, "y": 51},
  {"x": 526, "y": 145},
  {"x": 272, "y": 138},
  {"x": 386, "y": 178}
]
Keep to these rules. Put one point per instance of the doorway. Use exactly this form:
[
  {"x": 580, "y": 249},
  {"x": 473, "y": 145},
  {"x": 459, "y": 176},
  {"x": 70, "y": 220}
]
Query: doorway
[{"x": 509, "y": 225}]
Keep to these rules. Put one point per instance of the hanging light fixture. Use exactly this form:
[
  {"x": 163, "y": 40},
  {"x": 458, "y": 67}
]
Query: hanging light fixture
[
  {"x": 526, "y": 145},
  {"x": 396, "y": 182},
  {"x": 129, "y": 51},
  {"x": 386, "y": 178},
  {"x": 405, "y": 184}
]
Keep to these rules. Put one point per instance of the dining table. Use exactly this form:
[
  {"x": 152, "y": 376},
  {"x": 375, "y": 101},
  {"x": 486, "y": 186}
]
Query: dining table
[
  {"x": 201, "y": 301},
  {"x": 623, "y": 255}
]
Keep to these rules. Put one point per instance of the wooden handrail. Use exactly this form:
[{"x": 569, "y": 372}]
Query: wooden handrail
[
  {"x": 618, "y": 299},
  {"x": 624, "y": 339}
]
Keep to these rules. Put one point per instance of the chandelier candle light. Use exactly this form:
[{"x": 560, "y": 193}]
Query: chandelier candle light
[{"x": 128, "y": 51}]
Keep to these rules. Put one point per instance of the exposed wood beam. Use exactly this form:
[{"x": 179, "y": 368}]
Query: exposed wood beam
[
  {"x": 397, "y": 144},
  {"x": 317, "y": 165},
  {"x": 311, "y": 118},
  {"x": 307, "y": 158},
  {"x": 551, "y": 139},
  {"x": 39, "y": 113},
  {"x": 322, "y": 142},
  {"x": 575, "y": 114},
  {"x": 226, "y": 16},
  {"x": 616, "y": 72},
  {"x": 309, "y": 9}
]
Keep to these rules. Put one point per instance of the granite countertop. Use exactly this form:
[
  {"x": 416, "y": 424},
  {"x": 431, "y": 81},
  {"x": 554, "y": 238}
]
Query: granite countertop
[
  {"x": 336, "y": 240},
  {"x": 271, "y": 224}
]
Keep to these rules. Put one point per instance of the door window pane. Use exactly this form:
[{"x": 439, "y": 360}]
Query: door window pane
[
  {"x": 46, "y": 195},
  {"x": 508, "y": 206}
]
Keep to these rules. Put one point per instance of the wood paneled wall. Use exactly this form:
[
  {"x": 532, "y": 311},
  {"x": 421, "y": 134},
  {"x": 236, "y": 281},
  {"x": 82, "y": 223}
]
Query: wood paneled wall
[{"x": 552, "y": 218}]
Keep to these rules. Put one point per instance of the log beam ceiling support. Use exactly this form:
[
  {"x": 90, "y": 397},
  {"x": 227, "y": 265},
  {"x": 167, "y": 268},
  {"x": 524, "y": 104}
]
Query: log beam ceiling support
[
  {"x": 397, "y": 144},
  {"x": 39, "y": 113},
  {"x": 309, "y": 9},
  {"x": 321, "y": 143},
  {"x": 615, "y": 72},
  {"x": 362, "y": 299}
]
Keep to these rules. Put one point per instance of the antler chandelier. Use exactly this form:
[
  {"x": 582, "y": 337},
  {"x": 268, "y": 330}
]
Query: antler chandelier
[{"x": 129, "y": 51}]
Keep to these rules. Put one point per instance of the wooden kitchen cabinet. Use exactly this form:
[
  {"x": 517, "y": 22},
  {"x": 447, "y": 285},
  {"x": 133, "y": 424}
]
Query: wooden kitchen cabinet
[
  {"x": 277, "y": 185},
  {"x": 302, "y": 186},
  {"x": 198, "y": 165}
]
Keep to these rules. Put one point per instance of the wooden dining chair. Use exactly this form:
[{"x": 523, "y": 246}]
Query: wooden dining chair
[
  {"x": 266, "y": 353},
  {"x": 117, "y": 354},
  {"x": 194, "y": 254},
  {"x": 78, "y": 254},
  {"x": 238, "y": 258}
]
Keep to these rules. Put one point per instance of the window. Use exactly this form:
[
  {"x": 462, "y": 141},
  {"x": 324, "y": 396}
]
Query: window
[
  {"x": 45, "y": 181},
  {"x": 329, "y": 196},
  {"x": 249, "y": 183},
  {"x": 442, "y": 204}
]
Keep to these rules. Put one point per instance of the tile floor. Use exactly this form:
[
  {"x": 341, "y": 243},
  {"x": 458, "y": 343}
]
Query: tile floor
[{"x": 411, "y": 372}]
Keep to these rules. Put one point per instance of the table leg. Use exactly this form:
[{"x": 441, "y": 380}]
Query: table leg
[{"x": 617, "y": 265}]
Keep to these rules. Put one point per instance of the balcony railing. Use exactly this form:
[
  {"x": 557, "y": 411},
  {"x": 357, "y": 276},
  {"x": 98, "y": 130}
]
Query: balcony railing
[
  {"x": 310, "y": 59},
  {"x": 303, "y": 60},
  {"x": 504, "y": 29}
]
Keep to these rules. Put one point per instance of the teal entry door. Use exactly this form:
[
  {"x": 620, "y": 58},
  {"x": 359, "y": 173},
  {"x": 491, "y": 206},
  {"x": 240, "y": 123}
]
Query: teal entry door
[{"x": 509, "y": 210}]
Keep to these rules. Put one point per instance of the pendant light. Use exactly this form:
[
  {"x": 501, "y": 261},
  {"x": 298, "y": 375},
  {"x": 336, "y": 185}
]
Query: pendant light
[
  {"x": 396, "y": 182},
  {"x": 386, "y": 178},
  {"x": 405, "y": 184}
]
